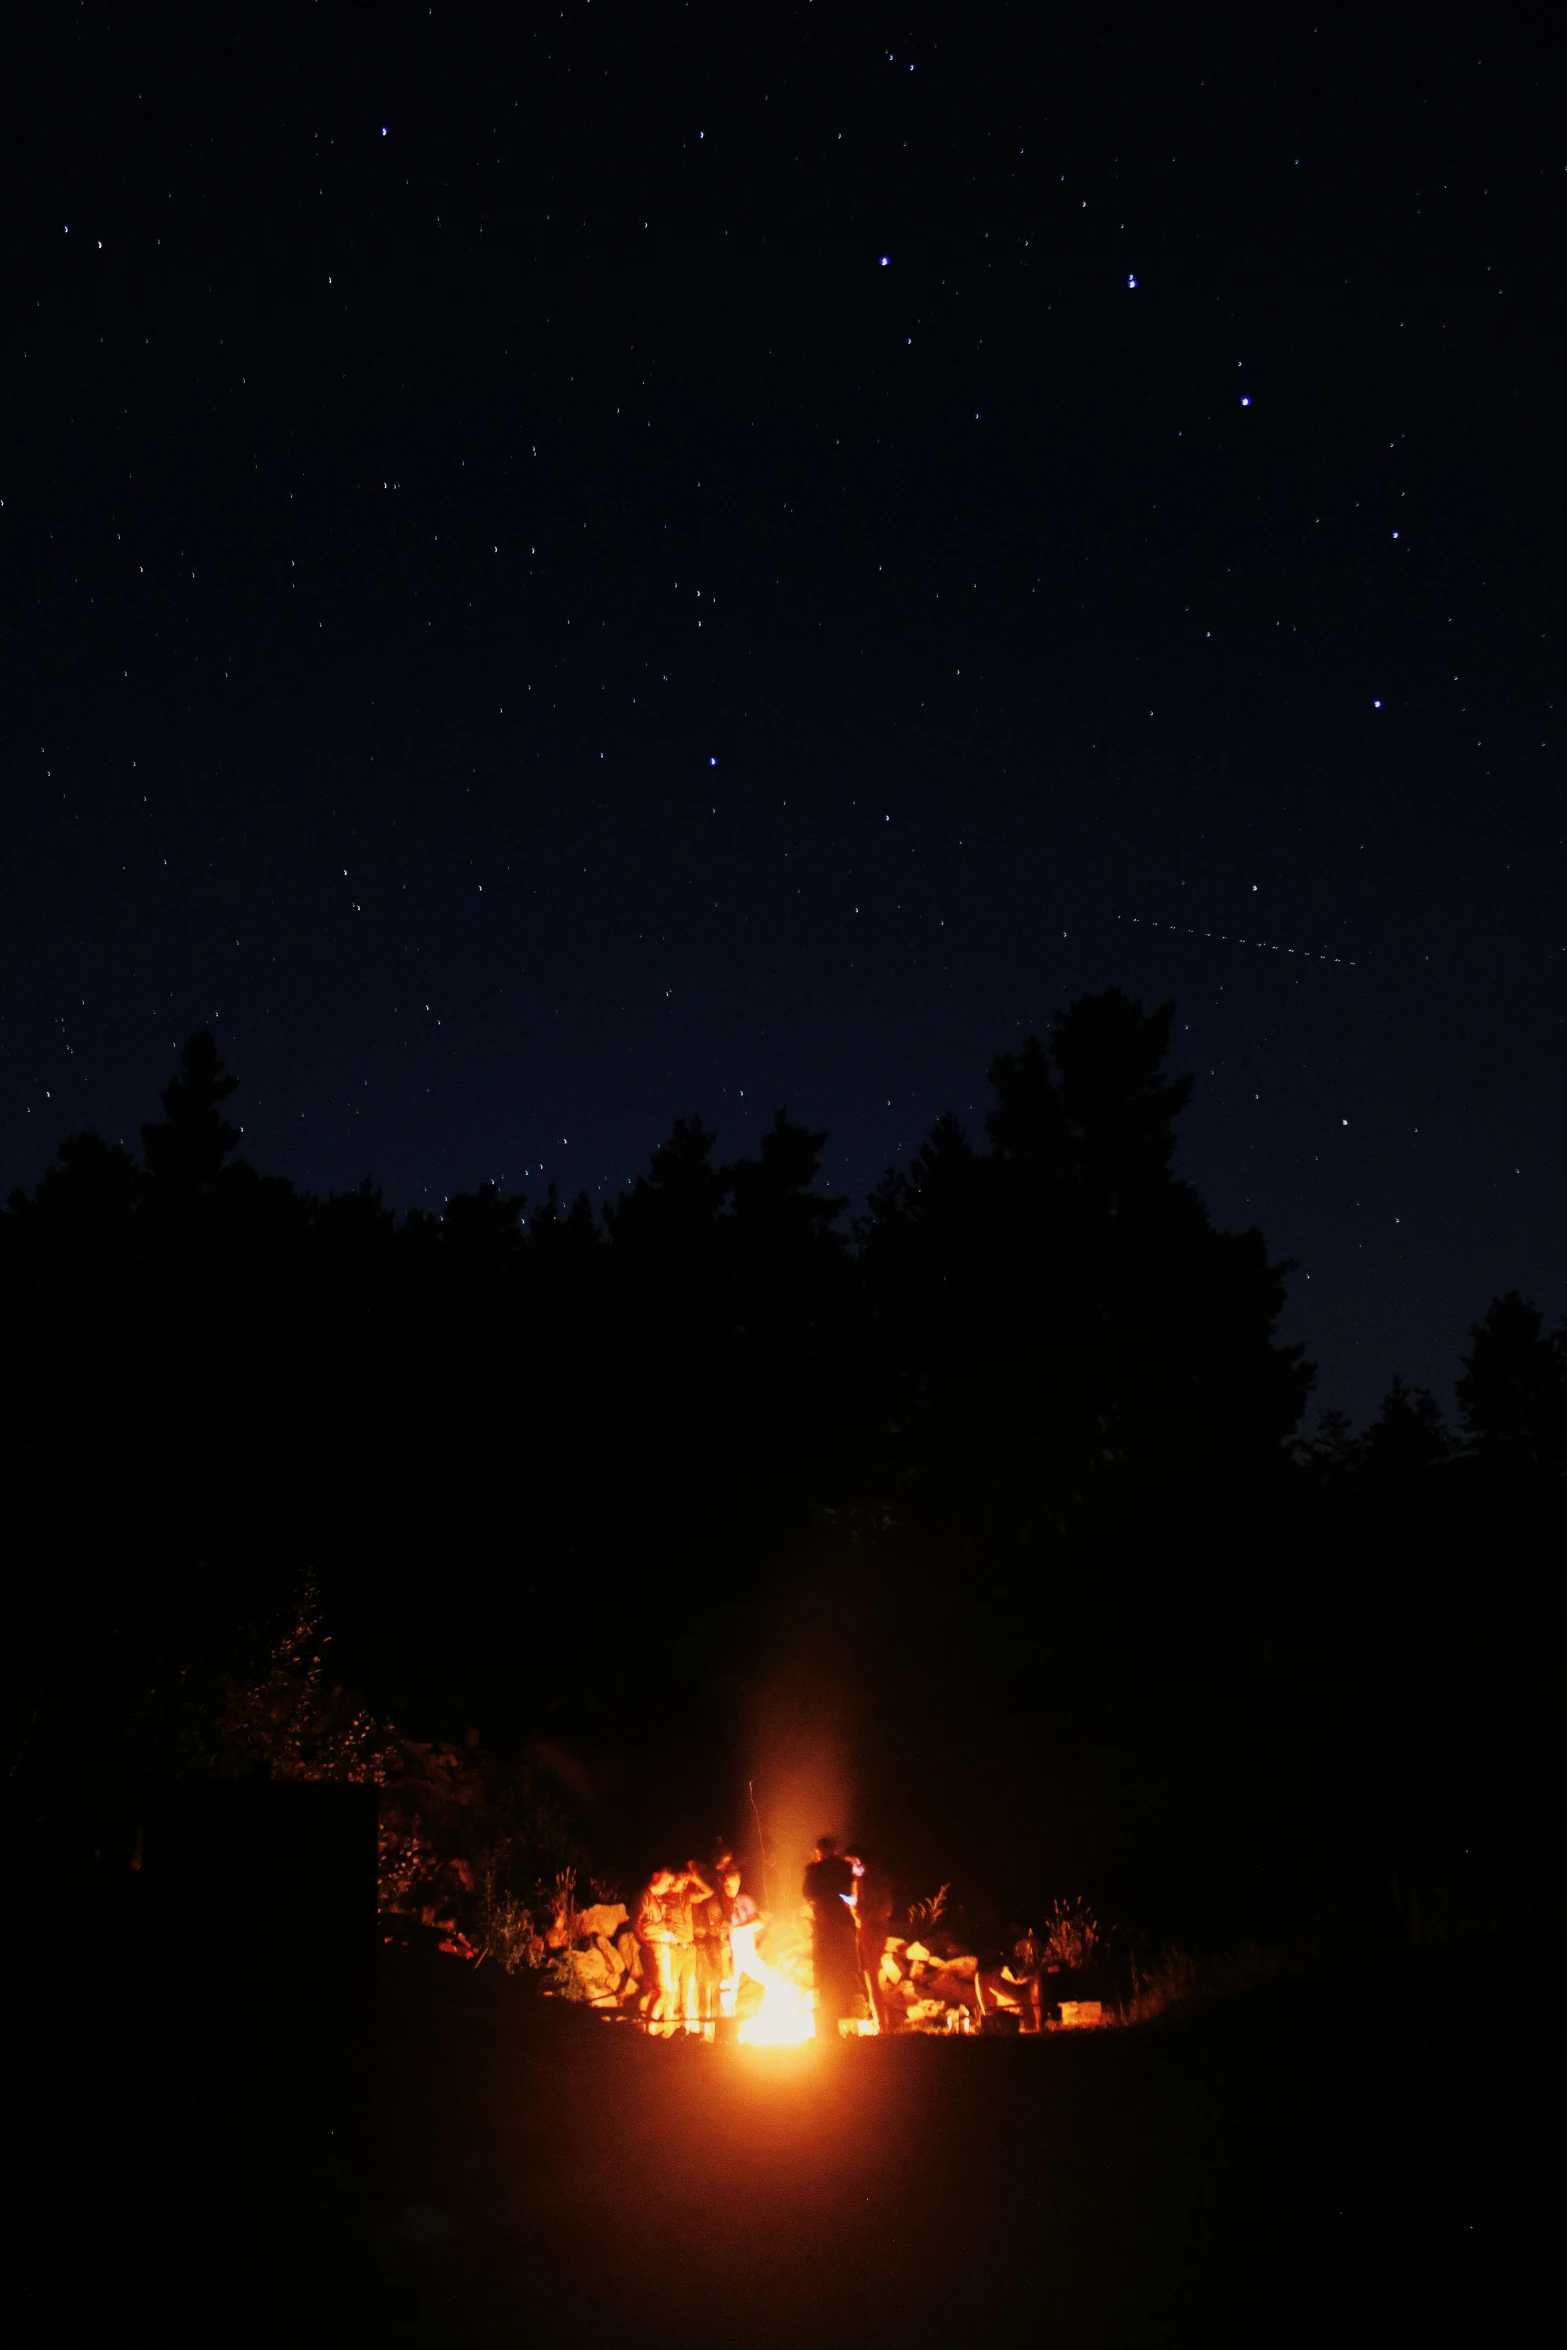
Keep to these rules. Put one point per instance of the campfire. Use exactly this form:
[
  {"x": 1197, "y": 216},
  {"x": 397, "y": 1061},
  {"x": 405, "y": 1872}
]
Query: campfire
[
  {"x": 785, "y": 2018},
  {"x": 924, "y": 1981}
]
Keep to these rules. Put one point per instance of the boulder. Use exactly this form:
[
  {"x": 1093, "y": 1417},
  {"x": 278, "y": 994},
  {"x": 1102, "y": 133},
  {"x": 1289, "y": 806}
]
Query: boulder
[
  {"x": 604, "y": 1917},
  {"x": 588, "y": 1974}
]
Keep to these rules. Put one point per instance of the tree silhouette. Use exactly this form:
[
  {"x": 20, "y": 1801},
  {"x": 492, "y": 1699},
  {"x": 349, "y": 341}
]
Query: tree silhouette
[
  {"x": 1073, "y": 1316},
  {"x": 670, "y": 1215},
  {"x": 189, "y": 1145},
  {"x": 1408, "y": 1435},
  {"x": 785, "y": 1284},
  {"x": 564, "y": 1244},
  {"x": 79, "y": 1227},
  {"x": 1119, "y": 1108},
  {"x": 666, "y": 1241},
  {"x": 922, "y": 1244},
  {"x": 482, "y": 1233},
  {"x": 1512, "y": 1391},
  {"x": 1028, "y": 1125},
  {"x": 1333, "y": 1453}
]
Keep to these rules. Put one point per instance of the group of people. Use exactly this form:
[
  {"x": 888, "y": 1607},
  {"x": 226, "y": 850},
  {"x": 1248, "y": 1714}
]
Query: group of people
[{"x": 696, "y": 1930}]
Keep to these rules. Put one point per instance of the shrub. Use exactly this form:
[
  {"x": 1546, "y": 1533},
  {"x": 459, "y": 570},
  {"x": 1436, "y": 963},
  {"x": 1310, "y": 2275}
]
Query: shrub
[{"x": 1071, "y": 1936}]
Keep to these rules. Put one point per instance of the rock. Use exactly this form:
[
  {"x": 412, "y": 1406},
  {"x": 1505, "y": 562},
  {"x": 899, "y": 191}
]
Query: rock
[
  {"x": 588, "y": 1974},
  {"x": 604, "y": 1917}
]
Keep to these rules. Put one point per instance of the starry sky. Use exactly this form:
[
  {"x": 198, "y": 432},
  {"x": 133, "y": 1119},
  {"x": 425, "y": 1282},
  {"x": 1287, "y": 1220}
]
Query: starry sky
[{"x": 565, "y": 565}]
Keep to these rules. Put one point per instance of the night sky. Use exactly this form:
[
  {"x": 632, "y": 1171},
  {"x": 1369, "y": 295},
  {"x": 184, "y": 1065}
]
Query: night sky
[{"x": 569, "y": 565}]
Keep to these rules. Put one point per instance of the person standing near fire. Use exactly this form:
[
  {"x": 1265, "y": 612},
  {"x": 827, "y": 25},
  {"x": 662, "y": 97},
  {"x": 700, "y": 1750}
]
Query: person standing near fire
[
  {"x": 710, "y": 1938},
  {"x": 873, "y": 1906},
  {"x": 745, "y": 1923},
  {"x": 658, "y": 1937},
  {"x": 835, "y": 1953},
  {"x": 667, "y": 1933},
  {"x": 690, "y": 1887}
]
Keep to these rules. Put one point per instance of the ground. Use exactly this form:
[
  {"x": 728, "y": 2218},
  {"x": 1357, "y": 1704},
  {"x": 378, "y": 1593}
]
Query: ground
[{"x": 1366, "y": 2152}]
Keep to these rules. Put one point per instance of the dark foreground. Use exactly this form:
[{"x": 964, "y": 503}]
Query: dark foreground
[{"x": 1369, "y": 2152}]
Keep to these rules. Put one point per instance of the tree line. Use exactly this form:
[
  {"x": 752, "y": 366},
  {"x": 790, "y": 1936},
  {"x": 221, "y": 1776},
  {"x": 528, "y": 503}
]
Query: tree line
[{"x": 544, "y": 1459}]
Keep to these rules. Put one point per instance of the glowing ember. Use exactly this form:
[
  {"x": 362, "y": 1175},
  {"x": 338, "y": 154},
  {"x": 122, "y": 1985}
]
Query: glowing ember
[{"x": 785, "y": 2018}]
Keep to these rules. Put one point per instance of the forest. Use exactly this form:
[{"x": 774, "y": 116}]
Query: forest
[{"x": 1008, "y": 1481}]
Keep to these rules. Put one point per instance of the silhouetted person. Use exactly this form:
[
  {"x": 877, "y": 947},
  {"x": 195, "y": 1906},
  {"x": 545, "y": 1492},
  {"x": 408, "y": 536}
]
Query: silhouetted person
[
  {"x": 873, "y": 1902},
  {"x": 835, "y": 1949}
]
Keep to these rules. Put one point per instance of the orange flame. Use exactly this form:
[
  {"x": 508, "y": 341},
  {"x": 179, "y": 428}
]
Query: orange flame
[{"x": 785, "y": 2019}]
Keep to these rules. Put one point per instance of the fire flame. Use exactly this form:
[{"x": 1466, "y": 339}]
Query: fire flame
[{"x": 785, "y": 2018}]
